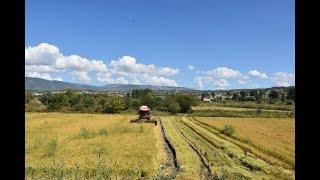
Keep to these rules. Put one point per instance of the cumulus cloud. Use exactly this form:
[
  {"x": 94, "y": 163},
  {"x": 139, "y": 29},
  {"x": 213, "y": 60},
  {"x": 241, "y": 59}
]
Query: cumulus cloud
[
  {"x": 81, "y": 76},
  {"x": 284, "y": 79},
  {"x": 159, "y": 81},
  {"x": 44, "y": 59},
  {"x": 191, "y": 68},
  {"x": 121, "y": 80},
  {"x": 46, "y": 76},
  {"x": 43, "y": 54},
  {"x": 199, "y": 82},
  {"x": 255, "y": 73},
  {"x": 220, "y": 77},
  {"x": 128, "y": 65}
]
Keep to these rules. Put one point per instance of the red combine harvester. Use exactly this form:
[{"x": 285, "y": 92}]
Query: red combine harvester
[{"x": 144, "y": 116}]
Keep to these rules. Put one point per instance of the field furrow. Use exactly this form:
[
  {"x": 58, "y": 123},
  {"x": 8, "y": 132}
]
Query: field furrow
[
  {"x": 188, "y": 160},
  {"x": 241, "y": 160},
  {"x": 272, "y": 157}
]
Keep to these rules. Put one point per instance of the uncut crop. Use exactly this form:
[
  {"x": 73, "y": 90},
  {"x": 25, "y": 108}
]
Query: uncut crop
[
  {"x": 85, "y": 146},
  {"x": 276, "y": 135}
]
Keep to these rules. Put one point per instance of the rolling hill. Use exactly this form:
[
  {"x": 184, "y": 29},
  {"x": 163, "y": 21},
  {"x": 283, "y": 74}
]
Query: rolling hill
[{"x": 37, "y": 84}]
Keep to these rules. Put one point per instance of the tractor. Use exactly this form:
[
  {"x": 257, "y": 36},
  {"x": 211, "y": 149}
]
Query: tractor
[{"x": 144, "y": 116}]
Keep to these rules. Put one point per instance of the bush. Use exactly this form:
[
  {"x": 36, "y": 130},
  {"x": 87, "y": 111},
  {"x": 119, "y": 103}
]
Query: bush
[
  {"x": 103, "y": 131},
  {"x": 85, "y": 133},
  {"x": 51, "y": 148},
  {"x": 35, "y": 105},
  {"x": 185, "y": 102},
  {"x": 114, "y": 104},
  {"x": 173, "y": 107},
  {"x": 228, "y": 130}
]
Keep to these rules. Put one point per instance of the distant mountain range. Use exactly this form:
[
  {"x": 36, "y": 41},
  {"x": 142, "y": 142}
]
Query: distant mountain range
[{"x": 37, "y": 84}]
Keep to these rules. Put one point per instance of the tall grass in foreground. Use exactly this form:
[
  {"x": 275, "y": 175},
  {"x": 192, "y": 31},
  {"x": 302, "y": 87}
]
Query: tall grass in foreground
[{"x": 51, "y": 147}]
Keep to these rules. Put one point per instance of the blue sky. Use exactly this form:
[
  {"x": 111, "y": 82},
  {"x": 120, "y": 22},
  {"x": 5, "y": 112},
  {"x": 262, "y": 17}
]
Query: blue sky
[{"x": 153, "y": 42}]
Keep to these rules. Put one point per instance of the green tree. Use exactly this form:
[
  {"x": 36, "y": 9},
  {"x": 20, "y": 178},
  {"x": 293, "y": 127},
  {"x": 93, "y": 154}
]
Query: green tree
[
  {"x": 254, "y": 93},
  {"x": 173, "y": 107},
  {"x": 28, "y": 97},
  {"x": 114, "y": 104},
  {"x": 291, "y": 94},
  {"x": 243, "y": 95},
  {"x": 185, "y": 102},
  {"x": 274, "y": 95},
  {"x": 235, "y": 96}
]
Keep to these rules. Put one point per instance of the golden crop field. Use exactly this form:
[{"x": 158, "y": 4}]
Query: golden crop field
[
  {"x": 100, "y": 146},
  {"x": 88, "y": 145},
  {"x": 274, "y": 134}
]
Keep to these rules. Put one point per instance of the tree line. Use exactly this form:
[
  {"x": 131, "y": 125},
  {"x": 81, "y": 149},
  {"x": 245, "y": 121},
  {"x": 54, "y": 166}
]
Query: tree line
[
  {"x": 71, "y": 101},
  {"x": 287, "y": 96}
]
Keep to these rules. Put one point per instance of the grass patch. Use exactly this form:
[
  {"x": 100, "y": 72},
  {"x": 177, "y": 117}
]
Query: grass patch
[
  {"x": 84, "y": 133},
  {"x": 103, "y": 131},
  {"x": 241, "y": 114},
  {"x": 228, "y": 130},
  {"x": 51, "y": 147},
  {"x": 254, "y": 105}
]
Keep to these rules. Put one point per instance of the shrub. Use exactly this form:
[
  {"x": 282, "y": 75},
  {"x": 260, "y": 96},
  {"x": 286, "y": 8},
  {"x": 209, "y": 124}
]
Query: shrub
[
  {"x": 141, "y": 129},
  {"x": 51, "y": 148},
  {"x": 103, "y": 131},
  {"x": 35, "y": 105},
  {"x": 228, "y": 130},
  {"x": 173, "y": 107},
  {"x": 114, "y": 104},
  {"x": 85, "y": 133},
  {"x": 185, "y": 102}
]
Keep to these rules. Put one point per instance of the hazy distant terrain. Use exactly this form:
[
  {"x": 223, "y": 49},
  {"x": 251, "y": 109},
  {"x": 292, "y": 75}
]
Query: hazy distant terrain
[{"x": 46, "y": 85}]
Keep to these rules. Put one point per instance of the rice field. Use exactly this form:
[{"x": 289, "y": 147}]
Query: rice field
[
  {"x": 274, "y": 134},
  {"x": 100, "y": 146},
  {"x": 89, "y": 146}
]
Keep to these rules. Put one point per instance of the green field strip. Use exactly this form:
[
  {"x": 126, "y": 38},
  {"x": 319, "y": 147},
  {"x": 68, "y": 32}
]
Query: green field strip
[
  {"x": 267, "y": 155},
  {"x": 237, "y": 154},
  {"x": 199, "y": 151},
  {"x": 188, "y": 160},
  {"x": 221, "y": 164}
]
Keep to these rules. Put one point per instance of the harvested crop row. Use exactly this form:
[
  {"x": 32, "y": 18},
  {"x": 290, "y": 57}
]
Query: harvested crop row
[
  {"x": 222, "y": 164},
  {"x": 188, "y": 161},
  {"x": 166, "y": 155},
  {"x": 272, "y": 158},
  {"x": 206, "y": 172},
  {"x": 242, "y": 160}
]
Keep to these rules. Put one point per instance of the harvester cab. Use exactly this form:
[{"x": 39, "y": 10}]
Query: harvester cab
[
  {"x": 144, "y": 116},
  {"x": 144, "y": 112}
]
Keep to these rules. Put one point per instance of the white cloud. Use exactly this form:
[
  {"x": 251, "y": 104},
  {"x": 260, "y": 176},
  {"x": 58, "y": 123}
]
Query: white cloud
[
  {"x": 46, "y": 76},
  {"x": 40, "y": 68},
  {"x": 255, "y": 73},
  {"x": 159, "y": 81},
  {"x": 121, "y": 80},
  {"x": 220, "y": 77},
  {"x": 224, "y": 72},
  {"x": 284, "y": 79},
  {"x": 82, "y": 76},
  {"x": 128, "y": 65},
  {"x": 44, "y": 59},
  {"x": 191, "y": 68},
  {"x": 43, "y": 54},
  {"x": 221, "y": 83},
  {"x": 199, "y": 82}
]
